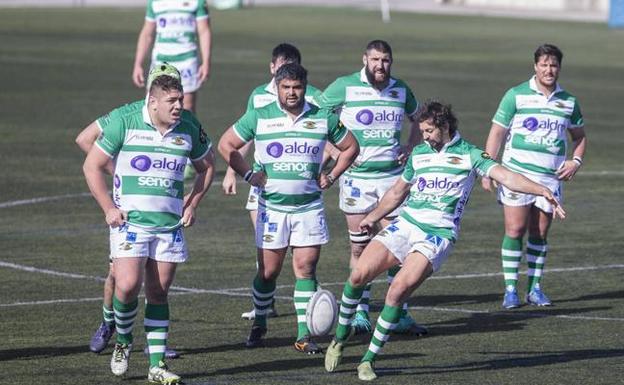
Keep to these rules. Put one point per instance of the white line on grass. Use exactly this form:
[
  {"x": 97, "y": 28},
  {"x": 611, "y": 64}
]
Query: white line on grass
[{"x": 22, "y": 202}]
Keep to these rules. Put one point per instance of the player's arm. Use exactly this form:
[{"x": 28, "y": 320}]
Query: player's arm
[
  {"x": 204, "y": 34},
  {"x": 85, "y": 141},
  {"x": 392, "y": 199},
  {"x": 229, "y": 180},
  {"x": 570, "y": 167},
  {"x": 94, "y": 169},
  {"x": 203, "y": 180},
  {"x": 229, "y": 146},
  {"x": 144, "y": 43},
  {"x": 349, "y": 150},
  {"x": 414, "y": 138},
  {"x": 517, "y": 182},
  {"x": 492, "y": 147}
]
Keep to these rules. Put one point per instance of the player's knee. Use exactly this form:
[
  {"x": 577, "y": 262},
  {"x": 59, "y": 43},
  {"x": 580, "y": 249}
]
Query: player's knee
[
  {"x": 513, "y": 231},
  {"x": 397, "y": 294},
  {"x": 359, "y": 241},
  {"x": 268, "y": 274},
  {"x": 358, "y": 277}
]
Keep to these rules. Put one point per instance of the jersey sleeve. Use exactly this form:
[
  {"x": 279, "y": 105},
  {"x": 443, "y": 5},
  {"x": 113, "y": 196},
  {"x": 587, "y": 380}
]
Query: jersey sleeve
[
  {"x": 408, "y": 172},
  {"x": 411, "y": 104},
  {"x": 481, "y": 161},
  {"x": 506, "y": 110},
  {"x": 250, "y": 102},
  {"x": 202, "y": 10},
  {"x": 332, "y": 97},
  {"x": 149, "y": 14},
  {"x": 337, "y": 131},
  {"x": 576, "y": 120},
  {"x": 201, "y": 143},
  {"x": 113, "y": 133},
  {"x": 245, "y": 127}
]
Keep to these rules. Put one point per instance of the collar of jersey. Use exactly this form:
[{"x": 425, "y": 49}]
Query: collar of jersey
[
  {"x": 365, "y": 81},
  {"x": 271, "y": 87},
  {"x": 455, "y": 139},
  {"x": 533, "y": 86},
  {"x": 147, "y": 120},
  {"x": 306, "y": 108}
]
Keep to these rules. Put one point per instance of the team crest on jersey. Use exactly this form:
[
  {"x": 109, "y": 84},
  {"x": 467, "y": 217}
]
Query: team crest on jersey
[
  {"x": 350, "y": 201},
  {"x": 178, "y": 141},
  {"x": 485, "y": 155},
  {"x": 310, "y": 125},
  {"x": 454, "y": 160},
  {"x": 394, "y": 94},
  {"x": 268, "y": 238},
  {"x": 559, "y": 104}
]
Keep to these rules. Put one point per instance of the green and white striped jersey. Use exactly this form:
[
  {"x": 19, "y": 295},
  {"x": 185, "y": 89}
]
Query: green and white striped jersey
[
  {"x": 290, "y": 152},
  {"x": 537, "y": 128},
  {"x": 176, "y": 28},
  {"x": 375, "y": 118},
  {"x": 441, "y": 184},
  {"x": 267, "y": 93},
  {"x": 149, "y": 169}
]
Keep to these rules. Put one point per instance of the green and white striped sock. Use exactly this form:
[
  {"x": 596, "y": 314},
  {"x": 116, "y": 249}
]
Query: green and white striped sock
[
  {"x": 304, "y": 290},
  {"x": 125, "y": 314},
  {"x": 386, "y": 322},
  {"x": 108, "y": 315},
  {"x": 363, "y": 307},
  {"x": 511, "y": 253},
  {"x": 156, "y": 325},
  {"x": 536, "y": 250},
  {"x": 263, "y": 292},
  {"x": 348, "y": 304}
]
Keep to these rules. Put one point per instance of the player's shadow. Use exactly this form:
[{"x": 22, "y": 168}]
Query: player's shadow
[
  {"x": 41, "y": 352},
  {"x": 295, "y": 364},
  {"x": 508, "y": 360},
  {"x": 453, "y": 299},
  {"x": 617, "y": 294}
]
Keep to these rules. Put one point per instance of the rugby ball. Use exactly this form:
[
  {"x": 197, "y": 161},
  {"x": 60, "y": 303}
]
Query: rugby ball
[{"x": 321, "y": 313}]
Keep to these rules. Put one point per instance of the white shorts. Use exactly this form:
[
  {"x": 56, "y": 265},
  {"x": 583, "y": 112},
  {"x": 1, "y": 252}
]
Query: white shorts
[
  {"x": 508, "y": 197},
  {"x": 361, "y": 196},
  {"x": 130, "y": 241},
  {"x": 276, "y": 230},
  {"x": 403, "y": 238},
  {"x": 252, "y": 198},
  {"x": 189, "y": 69}
]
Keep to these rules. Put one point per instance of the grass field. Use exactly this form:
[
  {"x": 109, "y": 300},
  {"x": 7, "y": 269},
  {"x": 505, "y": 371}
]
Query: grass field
[{"x": 62, "y": 68}]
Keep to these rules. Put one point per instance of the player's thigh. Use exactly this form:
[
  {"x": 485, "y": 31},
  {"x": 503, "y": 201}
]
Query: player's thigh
[
  {"x": 539, "y": 222},
  {"x": 415, "y": 270},
  {"x": 305, "y": 260},
  {"x": 516, "y": 220},
  {"x": 158, "y": 278},
  {"x": 375, "y": 259},
  {"x": 129, "y": 274},
  {"x": 270, "y": 262}
]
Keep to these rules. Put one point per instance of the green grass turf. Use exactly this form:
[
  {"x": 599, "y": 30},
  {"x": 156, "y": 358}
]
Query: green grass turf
[{"x": 62, "y": 68}]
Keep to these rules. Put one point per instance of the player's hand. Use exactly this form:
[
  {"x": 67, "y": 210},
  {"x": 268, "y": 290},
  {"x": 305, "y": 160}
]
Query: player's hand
[
  {"x": 188, "y": 216},
  {"x": 567, "y": 170},
  {"x": 258, "y": 179},
  {"x": 368, "y": 225},
  {"x": 138, "y": 78},
  {"x": 487, "y": 184},
  {"x": 115, "y": 217},
  {"x": 558, "y": 209},
  {"x": 204, "y": 72},
  {"x": 404, "y": 154},
  {"x": 324, "y": 182},
  {"x": 229, "y": 184}
]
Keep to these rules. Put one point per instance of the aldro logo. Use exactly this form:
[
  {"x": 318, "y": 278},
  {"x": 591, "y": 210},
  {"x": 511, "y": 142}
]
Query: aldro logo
[
  {"x": 368, "y": 117},
  {"x": 533, "y": 124},
  {"x": 144, "y": 163},
  {"x": 276, "y": 149}
]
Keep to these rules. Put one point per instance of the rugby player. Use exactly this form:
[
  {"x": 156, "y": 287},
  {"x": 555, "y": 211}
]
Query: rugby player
[
  {"x": 534, "y": 120},
  {"x": 151, "y": 141},
  {"x": 373, "y": 105},
  {"x": 438, "y": 178},
  {"x": 290, "y": 136}
]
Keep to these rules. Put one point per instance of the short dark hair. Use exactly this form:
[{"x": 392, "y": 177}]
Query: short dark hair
[
  {"x": 287, "y": 52},
  {"x": 166, "y": 83},
  {"x": 292, "y": 71},
  {"x": 548, "y": 50},
  {"x": 379, "y": 45},
  {"x": 441, "y": 114}
]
